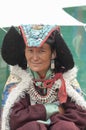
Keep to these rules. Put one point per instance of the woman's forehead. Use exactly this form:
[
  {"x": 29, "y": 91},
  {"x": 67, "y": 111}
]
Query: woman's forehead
[{"x": 45, "y": 45}]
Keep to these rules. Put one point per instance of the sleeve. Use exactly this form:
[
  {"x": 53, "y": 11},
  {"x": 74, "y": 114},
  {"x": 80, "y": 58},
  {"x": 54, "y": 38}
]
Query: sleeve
[
  {"x": 51, "y": 109},
  {"x": 23, "y": 112},
  {"x": 73, "y": 113}
]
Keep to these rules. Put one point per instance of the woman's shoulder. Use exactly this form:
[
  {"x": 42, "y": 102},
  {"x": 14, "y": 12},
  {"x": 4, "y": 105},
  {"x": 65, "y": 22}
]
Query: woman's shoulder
[
  {"x": 12, "y": 79},
  {"x": 71, "y": 74},
  {"x": 11, "y": 83}
]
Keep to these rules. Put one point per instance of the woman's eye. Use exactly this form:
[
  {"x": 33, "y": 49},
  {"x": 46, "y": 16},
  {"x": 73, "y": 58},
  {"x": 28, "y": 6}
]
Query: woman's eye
[
  {"x": 42, "y": 50},
  {"x": 30, "y": 50}
]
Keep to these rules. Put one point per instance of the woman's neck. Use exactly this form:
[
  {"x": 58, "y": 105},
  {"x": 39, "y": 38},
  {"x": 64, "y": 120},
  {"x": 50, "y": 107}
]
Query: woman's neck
[{"x": 41, "y": 75}]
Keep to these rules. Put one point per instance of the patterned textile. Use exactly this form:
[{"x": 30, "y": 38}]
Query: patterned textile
[
  {"x": 36, "y": 35},
  {"x": 10, "y": 84},
  {"x": 6, "y": 92}
]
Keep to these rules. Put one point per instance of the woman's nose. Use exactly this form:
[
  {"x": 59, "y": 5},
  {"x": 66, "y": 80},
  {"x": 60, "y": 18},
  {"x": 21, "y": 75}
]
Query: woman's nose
[{"x": 35, "y": 56}]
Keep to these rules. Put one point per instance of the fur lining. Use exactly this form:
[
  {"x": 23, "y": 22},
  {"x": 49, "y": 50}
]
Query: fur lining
[
  {"x": 26, "y": 82},
  {"x": 18, "y": 92},
  {"x": 75, "y": 96}
]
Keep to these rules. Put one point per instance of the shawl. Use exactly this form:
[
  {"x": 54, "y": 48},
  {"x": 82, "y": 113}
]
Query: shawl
[{"x": 26, "y": 81}]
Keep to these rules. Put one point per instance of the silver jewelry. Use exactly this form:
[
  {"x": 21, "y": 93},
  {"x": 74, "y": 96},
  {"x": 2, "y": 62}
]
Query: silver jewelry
[
  {"x": 52, "y": 64},
  {"x": 50, "y": 97}
]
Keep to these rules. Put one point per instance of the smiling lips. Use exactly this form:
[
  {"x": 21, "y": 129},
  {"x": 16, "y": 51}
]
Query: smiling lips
[{"x": 35, "y": 63}]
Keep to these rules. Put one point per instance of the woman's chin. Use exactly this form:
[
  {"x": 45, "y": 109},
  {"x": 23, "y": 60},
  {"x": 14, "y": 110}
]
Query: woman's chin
[{"x": 36, "y": 69}]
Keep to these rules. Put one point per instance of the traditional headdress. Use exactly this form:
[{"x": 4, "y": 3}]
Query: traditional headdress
[{"x": 35, "y": 35}]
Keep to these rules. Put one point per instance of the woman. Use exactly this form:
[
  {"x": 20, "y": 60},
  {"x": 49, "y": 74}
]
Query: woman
[{"x": 42, "y": 92}]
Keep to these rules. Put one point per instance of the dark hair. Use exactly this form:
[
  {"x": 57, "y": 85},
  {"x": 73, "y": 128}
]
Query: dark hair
[
  {"x": 64, "y": 59},
  {"x": 13, "y": 48}
]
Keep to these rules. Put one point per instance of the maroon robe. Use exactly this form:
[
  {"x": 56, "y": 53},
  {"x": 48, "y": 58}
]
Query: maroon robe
[{"x": 24, "y": 116}]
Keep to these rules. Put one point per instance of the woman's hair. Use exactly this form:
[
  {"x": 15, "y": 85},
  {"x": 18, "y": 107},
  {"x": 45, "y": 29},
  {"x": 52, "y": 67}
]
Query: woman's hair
[
  {"x": 64, "y": 59},
  {"x": 13, "y": 50}
]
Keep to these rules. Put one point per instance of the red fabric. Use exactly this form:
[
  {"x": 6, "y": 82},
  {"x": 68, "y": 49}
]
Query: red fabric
[
  {"x": 62, "y": 95},
  {"x": 33, "y": 125},
  {"x": 72, "y": 113},
  {"x": 64, "y": 125},
  {"x": 23, "y": 112},
  {"x": 24, "y": 116}
]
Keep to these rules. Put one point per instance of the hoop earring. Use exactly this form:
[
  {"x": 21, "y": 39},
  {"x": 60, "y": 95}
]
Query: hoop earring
[{"x": 52, "y": 64}]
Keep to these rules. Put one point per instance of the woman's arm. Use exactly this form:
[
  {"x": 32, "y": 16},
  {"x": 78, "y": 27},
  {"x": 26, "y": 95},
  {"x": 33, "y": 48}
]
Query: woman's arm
[
  {"x": 23, "y": 112},
  {"x": 73, "y": 113}
]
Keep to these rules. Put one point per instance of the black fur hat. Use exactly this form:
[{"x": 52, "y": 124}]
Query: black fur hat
[
  {"x": 13, "y": 50},
  {"x": 13, "y": 47},
  {"x": 64, "y": 59},
  {"x": 64, "y": 56}
]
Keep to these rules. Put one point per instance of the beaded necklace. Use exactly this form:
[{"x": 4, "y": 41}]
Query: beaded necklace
[
  {"x": 39, "y": 93},
  {"x": 50, "y": 86},
  {"x": 50, "y": 97}
]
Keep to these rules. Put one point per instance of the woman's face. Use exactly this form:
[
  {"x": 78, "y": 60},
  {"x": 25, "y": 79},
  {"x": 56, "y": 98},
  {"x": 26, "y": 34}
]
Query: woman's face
[{"x": 39, "y": 58}]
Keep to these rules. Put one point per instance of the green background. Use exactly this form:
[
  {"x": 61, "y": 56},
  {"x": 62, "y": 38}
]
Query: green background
[
  {"x": 78, "y": 12},
  {"x": 75, "y": 37}
]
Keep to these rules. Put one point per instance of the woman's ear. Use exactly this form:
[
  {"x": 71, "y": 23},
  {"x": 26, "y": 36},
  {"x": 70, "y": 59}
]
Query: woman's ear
[{"x": 53, "y": 55}]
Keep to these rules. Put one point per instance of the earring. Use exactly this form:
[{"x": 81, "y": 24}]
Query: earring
[{"x": 52, "y": 64}]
